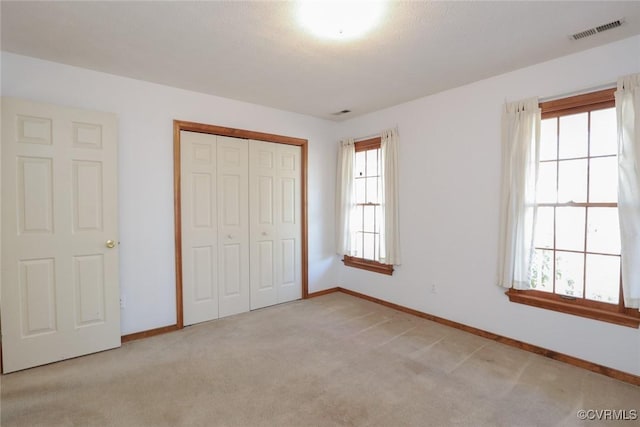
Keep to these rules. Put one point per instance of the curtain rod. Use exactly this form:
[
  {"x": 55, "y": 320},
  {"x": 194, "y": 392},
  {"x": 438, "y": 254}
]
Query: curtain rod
[
  {"x": 578, "y": 92},
  {"x": 362, "y": 138},
  {"x": 375, "y": 135}
]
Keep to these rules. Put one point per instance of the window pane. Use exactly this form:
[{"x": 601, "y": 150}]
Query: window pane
[
  {"x": 603, "y": 182},
  {"x": 360, "y": 164},
  {"x": 546, "y": 191},
  {"x": 569, "y": 272},
  {"x": 604, "y": 132},
  {"x": 372, "y": 162},
  {"x": 573, "y": 136},
  {"x": 572, "y": 181},
  {"x": 358, "y": 245},
  {"x": 378, "y": 219},
  {"x": 369, "y": 244},
  {"x": 360, "y": 190},
  {"x": 368, "y": 223},
  {"x": 356, "y": 220},
  {"x": 603, "y": 278},
  {"x": 372, "y": 189},
  {"x": 376, "y": 247},
  {"x": 549, "y": 139},
  {"x": 542, "y": 271},
  {"x": 570, "y": 229},
  {"x": 544, "y": 228},
  {"x": 603, "y": 231}
]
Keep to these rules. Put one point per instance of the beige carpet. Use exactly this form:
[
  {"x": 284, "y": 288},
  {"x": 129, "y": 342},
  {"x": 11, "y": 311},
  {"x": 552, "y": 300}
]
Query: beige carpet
[{"x": 334, "y": 360}]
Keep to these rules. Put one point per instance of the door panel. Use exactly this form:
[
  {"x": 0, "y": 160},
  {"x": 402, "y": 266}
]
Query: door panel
[
  {"x": 233, "y": 225},
  {"x": 264, "y": 253},
  {"x": 33, "y": 130},
  {"x": 60, "y": 291},
  {"x": 231, "y": 195},
  {"x": 288, "y": 208},
  {"x": 199, "y": 227},
  {"x": 88, "y": 274},
  {"x": 202, "y": 200},
  {"x": 87, "y": 135},
  {"x": 288, "y": 262},
  {"x": 37, "y": 302},
  {"x": 203, "y": 269},
  {"x": 232, "y": 270},
  {"x": 265, "y": 265},
  {"x": 265, "y": 200},
  {"x": 35, "y": 195},
  {"x": 275, "y": 175},
  {"x": 87, "y": 196},
  {"x": 289, "y": 225}
]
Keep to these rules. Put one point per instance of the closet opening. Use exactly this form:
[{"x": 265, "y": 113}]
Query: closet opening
[{"x": 180, "y": 129}]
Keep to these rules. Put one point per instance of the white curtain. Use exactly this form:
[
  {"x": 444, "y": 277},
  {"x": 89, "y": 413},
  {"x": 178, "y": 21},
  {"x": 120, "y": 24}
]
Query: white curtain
[
  {"x": 345, "y": 197},
  {"x": 390, "y": 243},
  {"x": 628, "y": 113},
  {"x": 520, "y": 153}
]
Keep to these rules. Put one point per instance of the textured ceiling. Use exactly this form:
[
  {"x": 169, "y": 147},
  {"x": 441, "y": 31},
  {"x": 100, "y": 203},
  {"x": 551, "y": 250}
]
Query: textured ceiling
[{"x": 257, "y": 52}]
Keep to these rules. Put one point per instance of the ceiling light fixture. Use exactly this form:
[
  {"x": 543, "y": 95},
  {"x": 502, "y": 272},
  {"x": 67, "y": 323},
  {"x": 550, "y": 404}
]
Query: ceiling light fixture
[{"x": 340, "y": 19}]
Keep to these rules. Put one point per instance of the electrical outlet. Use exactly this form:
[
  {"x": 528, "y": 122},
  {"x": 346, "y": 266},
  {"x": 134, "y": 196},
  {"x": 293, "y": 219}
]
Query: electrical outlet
[
  {"x": 434, "y": 289},
  {"x": 123, "y": 302}
]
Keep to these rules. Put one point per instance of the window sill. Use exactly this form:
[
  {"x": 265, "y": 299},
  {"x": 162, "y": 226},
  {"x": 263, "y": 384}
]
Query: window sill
[
  {"x": 631, "y": 318},
  {"x": 368, "y": 265}
]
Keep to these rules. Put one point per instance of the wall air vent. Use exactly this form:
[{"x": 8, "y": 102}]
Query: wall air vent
[
  {"x": 583, "y": 34},
  {"x": 596, "y": 30},
  {"x": 610, "y": 25}
]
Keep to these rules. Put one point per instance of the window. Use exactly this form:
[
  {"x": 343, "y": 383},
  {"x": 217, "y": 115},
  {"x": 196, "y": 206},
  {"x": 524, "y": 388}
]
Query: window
[
  {"x": 576, "y": 263},
  {"x": 367, "y": 208},
  {"x": 368, "y": 248}
]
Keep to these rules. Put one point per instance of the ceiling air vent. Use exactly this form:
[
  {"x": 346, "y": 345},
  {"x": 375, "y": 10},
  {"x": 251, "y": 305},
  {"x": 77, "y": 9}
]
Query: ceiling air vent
[{"x": 596, "y": 30}]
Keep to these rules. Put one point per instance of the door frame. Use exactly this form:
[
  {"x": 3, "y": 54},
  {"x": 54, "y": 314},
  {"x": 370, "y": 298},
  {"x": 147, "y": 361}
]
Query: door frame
[{"x": 180, "y": 125}]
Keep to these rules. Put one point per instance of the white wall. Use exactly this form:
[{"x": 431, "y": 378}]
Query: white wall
[
  {"x": 145, "y": 112},
  {"x": 449, "y": 193}
]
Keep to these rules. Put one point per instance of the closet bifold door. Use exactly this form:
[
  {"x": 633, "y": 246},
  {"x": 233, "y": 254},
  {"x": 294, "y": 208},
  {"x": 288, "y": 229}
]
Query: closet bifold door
[
  {"x": 215, "y": 226},
  {"x": 233, "y": 225},
  {"x": 199, "y": 226},
  {"x": 275, "y": 240}
]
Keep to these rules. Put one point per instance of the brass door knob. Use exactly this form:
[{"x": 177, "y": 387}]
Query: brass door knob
[{"x": 111, "y": 244}]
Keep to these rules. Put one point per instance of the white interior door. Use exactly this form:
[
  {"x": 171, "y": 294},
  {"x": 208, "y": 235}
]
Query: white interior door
[
  {"x": 233, "y": 225},
  {"x": 60, "y": 292},
  {"x": 215, "y": 226},
  {"x": 199, "y": 227},
  {"x": 275, "y": 199},
  {"x": 264, "y": 232},
  {"x": 288, "y": 222}
]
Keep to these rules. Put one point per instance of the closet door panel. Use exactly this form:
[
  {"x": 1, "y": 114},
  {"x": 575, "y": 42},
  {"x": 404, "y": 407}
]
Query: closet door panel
[
  {"x": 265, "y": 266},
  {"x": 233, "y": 225},
  {"x": 263, "y": 212},
  {"x": 199, "y": 227},
  {"x": 289, "y": 211},
  {"x": 232, "y": 270},
  {"x": 276, "y": 256}
]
